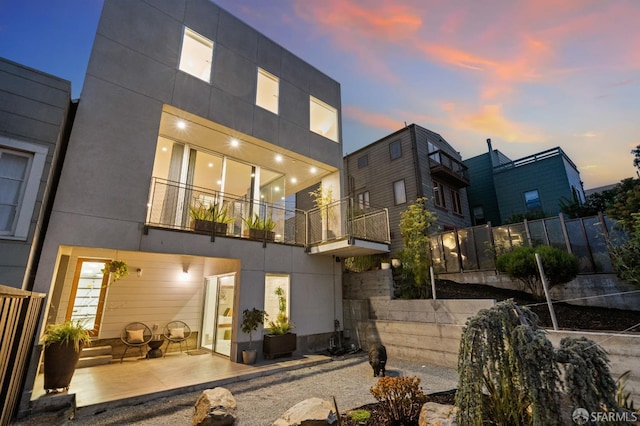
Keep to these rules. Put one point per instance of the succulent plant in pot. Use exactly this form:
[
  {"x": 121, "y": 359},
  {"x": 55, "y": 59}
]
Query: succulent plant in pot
[{"x": 63, "y": 343}]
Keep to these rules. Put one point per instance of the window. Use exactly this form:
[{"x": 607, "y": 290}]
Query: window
[
  {"x": 196, "y": 55},
  {"x": 478, "y": 215},
  {"x": 363, "y": 200},
  {"x": 395, "y": 150},
  {"x": 438, "y": 195},
  {"x": 273, "y": 282},
  {"x": 399, "y": 193},
  {"x": 435, "y": 156},
  {"x": 323, "y": 119},
  {"x": 456, "y": 204},
  {"x": 268, "y": 91},
  {"x": 532, "y": 201},
  {"x": 363, "y": 161},
  {"x": 21, "y": 167}
]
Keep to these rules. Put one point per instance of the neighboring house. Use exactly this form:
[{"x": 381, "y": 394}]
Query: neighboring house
[
  {"x": 533, "y": 185},
  {"x": 410, "y": 163},
  {"x": 35, "y": 114},
  {"x": 185, "y": 112}
]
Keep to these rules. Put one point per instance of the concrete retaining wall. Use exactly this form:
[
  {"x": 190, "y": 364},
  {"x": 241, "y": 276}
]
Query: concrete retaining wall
[
  {"x": 368, "y": 285},
  {"x": 591, "y": 287}
]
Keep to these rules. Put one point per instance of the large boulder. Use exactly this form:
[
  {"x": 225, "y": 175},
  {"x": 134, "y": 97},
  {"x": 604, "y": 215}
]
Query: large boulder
[
  {"x": 215, "y": 407},
  {"x": 433, "y": 414},
  {"x": 310, "y": 412}
]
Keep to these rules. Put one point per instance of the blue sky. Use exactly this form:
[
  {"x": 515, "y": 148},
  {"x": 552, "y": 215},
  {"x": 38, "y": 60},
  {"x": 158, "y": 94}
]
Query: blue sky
[{"x": 530, "y": 75}]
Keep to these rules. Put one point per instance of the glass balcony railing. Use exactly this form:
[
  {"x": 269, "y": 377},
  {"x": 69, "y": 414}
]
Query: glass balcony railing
[{"x": 187, "y": 208}]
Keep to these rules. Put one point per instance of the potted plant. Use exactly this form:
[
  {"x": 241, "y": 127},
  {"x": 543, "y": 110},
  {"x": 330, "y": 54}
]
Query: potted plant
[
  {"x": 259, "y": 228},
  {"x": 116, "y": 268},
  {"x": 63, "y": 344},
  {"x": 385, "y": 263},
  {"x": 207, "y": 218},
  {"x": 251, "y": 319},
  {"x": 279, "y": 341}
]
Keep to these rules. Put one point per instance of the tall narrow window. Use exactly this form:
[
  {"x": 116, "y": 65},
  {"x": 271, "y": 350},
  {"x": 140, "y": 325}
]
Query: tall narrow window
[
  {"x": 532, "y": 201},
  {"x": 323, "y": 119},
  {"x": 277, "y": 290},
  {"x": 13, "y": 175},
  {"x": 363, "y": 200},
  {"x": 268, "y": 91},
  {"x": 456, "y": 204},
  {"x": 196, "y": 55},
  {"x": 395, "y": 150},
  {"x": 399, "y": 193},
  {"x": 438, "y": 195},
  {"x": 478, "y": 215}
]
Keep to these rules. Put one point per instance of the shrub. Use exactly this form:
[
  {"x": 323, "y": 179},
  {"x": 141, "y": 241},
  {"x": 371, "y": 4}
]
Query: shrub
[
  {"x": 360, "y": 415},
  {"x": 400, "y": 398},
  {"x": 624, "y": 255},
  {"x": 520, "y": 264}
]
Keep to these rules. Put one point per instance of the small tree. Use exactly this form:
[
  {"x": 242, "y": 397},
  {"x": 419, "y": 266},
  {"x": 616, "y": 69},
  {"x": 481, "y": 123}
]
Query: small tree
[
  {"x": 251, "y": 319},
  {"x": 509, "y": 371},
  {"x": 416, "y": 256},
  {"x": 624, "y": 255},
  {"x": 626, "y": 202},
  {"x": 520, "y": 264}
]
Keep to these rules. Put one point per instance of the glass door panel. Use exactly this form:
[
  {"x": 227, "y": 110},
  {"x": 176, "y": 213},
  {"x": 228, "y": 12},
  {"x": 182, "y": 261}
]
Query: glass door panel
[
  {"x": 226, "y": 286},
  {"x": 209, "y": 313},
  {"x": 86, "y": 301}
]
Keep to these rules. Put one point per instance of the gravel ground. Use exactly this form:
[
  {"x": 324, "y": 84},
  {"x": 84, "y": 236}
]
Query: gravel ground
[{"x": 261, "y": 401}]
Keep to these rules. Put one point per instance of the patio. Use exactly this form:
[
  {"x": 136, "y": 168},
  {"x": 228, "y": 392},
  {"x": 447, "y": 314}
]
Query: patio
[{"x": 137, "y": 380}]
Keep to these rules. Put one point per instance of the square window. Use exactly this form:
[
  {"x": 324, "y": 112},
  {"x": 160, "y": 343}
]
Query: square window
[
  {"x": 395, "y": 150},
  {"x": 532, "y": 201},
  {"x": 399, "y": 193},
  {"x": 196, "y": 55},
  {"x": 323, "y": 119},
  {"x": 268, "y": 91},
  {"x": 363, "y": 161},
  {"x": 438, "y": 195}
]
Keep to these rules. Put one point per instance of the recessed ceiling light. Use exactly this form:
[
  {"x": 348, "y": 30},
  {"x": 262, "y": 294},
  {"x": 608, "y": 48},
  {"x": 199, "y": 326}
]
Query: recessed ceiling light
[
  {"x": 164, "y": 149},
  {"x": 181, "y": 124},
  {"x": 294, "y": 180},
  {"x": 219, "y": 182},
  {"x": 277, "y": 189},
  {"x": 313, "y": 170},
  {"x": 278, "y": 158},
  {"x": 234, "y": 143},
  {"x": 210, "y": 164}
]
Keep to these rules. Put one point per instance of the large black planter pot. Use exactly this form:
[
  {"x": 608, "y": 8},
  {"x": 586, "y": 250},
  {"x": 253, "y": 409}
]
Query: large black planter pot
[
  {"x": 261, "y": 234},
  {"x": 277, "y": 345},
  {"x": 206, "y": 226},
  {"x": 60, "y": 361}
]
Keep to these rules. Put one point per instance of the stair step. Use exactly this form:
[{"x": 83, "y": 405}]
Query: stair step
[
  {"x": 95, "y": 351},
  {"x": 92, "y": 361}
]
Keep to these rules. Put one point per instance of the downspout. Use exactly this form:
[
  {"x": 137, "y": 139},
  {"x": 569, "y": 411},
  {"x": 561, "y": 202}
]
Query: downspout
[{"x": 416, "y": 161}]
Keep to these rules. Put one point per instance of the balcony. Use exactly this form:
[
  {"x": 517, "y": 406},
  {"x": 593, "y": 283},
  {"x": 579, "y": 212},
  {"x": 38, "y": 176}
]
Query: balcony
[
  {"x": 336, "y": 229},
  {"x": 443, "y": 166}
]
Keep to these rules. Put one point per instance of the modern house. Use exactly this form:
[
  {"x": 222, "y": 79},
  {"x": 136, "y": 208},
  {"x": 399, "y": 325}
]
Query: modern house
[
  {"x": 35, "y": 116},
  {"x": 536, "y": 185},
  {"x": 410, "y": 163},
  {"x": 188, "y": 114}
]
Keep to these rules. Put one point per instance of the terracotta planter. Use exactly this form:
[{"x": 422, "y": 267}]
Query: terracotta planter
[
  {"x": 276, "y": 345},
  {"x": 206, "y": 226},
  {"x": 262, "y": 234},
  {"x": 60, "y": 361}
]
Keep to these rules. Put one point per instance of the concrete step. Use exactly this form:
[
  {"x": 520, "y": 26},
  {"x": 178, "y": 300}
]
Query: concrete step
[
  {"x": 90, "y": 351},
  {"x": 92, "y": 361}
]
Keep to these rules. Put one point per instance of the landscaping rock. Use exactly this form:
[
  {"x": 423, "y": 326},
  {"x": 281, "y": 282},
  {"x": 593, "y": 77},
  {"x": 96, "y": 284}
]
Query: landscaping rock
[
  {"x": 310, "y": 412},
  {"x": 433, "y": 414},
  {"x": 215, "y": 407}
]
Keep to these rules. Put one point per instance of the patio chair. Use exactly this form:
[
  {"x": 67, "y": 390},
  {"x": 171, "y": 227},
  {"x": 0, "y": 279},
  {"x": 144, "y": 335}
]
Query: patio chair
[
  {"x": 135, "y": 335},
  {"x": 177, "y": 332}
]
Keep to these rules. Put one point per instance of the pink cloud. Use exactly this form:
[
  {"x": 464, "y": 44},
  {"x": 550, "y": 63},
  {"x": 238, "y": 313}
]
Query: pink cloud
[{"x": 371, "y": 119}]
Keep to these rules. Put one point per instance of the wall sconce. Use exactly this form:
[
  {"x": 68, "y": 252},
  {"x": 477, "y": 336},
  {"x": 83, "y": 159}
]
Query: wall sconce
[
  {"x": 185, "y": 269},
  {"x": 139, "y": 272}
]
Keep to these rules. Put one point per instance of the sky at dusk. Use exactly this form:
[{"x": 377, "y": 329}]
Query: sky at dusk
[{"x": 530, "y": 75}]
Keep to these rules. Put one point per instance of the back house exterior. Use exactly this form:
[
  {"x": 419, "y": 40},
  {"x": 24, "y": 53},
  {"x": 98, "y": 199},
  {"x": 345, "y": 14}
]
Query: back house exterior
[{"x": 188, "y": 115}]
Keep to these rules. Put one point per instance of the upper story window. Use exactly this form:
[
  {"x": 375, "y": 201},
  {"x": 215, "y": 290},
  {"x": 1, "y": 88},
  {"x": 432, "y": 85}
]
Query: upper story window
[
  {"x": 323, "y": 119},
  {"x": 395, "y": 150},
  {"x": 438, "y": 195},
  {"x": 532, "y": 201},
  {"x": 268, "y": 91},
  {"x": 196, "y": 55},
  {"x": 363, "y": 161},
  {"x": 363, "y": 200},
  {"x": 435, "y": 156},
  {"x": 478, "y": 215},
  {"x": 399, "y": 192},
  {"x": 21, "y": 167},
  {"x": 456, "y": 204}
]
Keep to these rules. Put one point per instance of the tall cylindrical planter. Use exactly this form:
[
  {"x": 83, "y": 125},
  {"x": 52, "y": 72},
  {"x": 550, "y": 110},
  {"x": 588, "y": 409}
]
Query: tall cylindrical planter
[{"x": 60, "y": 361}]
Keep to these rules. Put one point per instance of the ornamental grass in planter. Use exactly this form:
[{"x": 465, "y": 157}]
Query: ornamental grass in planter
[
  {"x": 63, "y": 344},
  {"x": 279, "y": 341}
]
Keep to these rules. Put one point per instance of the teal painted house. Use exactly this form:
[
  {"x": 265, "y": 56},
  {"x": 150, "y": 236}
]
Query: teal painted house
[{"x": 501, "y": 188}]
